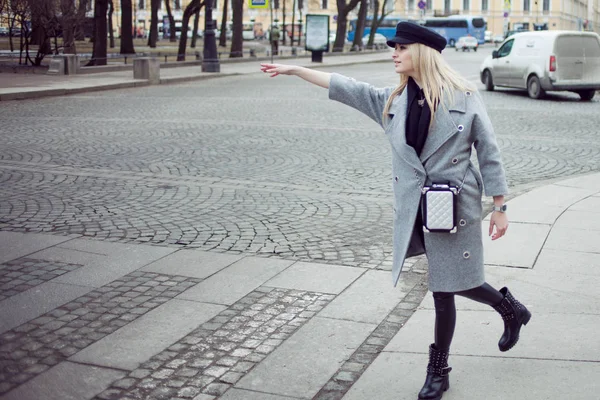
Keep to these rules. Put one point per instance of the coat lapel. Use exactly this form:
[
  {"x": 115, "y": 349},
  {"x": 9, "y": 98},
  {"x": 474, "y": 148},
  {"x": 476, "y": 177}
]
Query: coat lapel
[
  {"x": 396, "y": 131},
  {"x": 443, "y": 127}
]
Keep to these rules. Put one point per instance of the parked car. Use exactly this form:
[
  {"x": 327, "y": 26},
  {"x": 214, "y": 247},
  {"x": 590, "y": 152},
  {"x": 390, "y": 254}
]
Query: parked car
[
  {"x": 488, "y": 36},
  {"x": 541, "y": 61},
  {"x": 498, "y": 38},
  {"x": 3, "y": 31},
  {"x": 465, "y": 43}
]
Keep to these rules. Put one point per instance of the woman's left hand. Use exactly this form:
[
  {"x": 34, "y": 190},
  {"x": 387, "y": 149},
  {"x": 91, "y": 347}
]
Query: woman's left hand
[{"x": 498, "y": 220}]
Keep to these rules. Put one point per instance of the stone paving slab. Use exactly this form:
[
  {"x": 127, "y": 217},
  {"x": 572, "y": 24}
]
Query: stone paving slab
[
  {"x": 194, "y": 263},
  {"x": 316, "y": 277},
  {"x": 33, "y": 347},
  {"x": 569, "y": 261},
  {"x": 136, "y": 342},
  {"x": 590, "y": 205},
  {"x": 32, "y": 303},
  {"x": 582, "y": 220},
  {"x": 241, "y": 394},
  {"x": 572, "y": 239},
  {"x": 66, "y": 381},
  {"x": 15, "y": 245},
  {"x": 216, "y": 355},
  {"x": 22, "y": 274},
  {"x": 236, "y": 281},
  {"x": 520, "y": 248},
  {"x": 121, "y": 260},
  {"x": 400, "y": 376},
  {"x": 369, "y": 299},
  {"x": 304, "y": 362},
  {"x": 550, "y": 336}
]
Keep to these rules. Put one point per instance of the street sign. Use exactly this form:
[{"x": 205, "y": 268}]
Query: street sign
[
  {"x": 258, "y": 3},
  {"x": 422, "y": 4}
]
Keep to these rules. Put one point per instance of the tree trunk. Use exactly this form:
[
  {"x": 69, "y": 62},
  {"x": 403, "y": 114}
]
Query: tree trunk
[
  {"x": 377, "y": 20},
  {"x": 357, "y": 44},
  {"x": 342, "y": 22},
  {"x": 223, "y": 36},
  {"x": 100, "y": 34},
  {"x": 41, "y": 13},
  {"x": 126, "y": 28},
  {"x": 153, "y": 36},
  {"x": 283, "y": 30},
  {"x": 193, "y": 7},
  {"x": 69, "y": 21},
  {"x": 195, "y": 30},
  {"x": 80, "y": 21},
  {"x": 172, "y": 28},
  {"x": 111, "y": 33},
  {"x": 237, "y": 41}
]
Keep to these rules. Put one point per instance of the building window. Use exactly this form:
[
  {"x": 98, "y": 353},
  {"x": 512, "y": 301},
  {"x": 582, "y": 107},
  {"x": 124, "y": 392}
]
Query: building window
[
  {"x": 546, "y": 6},
  {"x": 484, "y": 5},
  {"x": 177, "y": 4},
  {"x": 141, "y": 5},
  {"x": 324, "y": 4},
  {"x": 429, "y": 5},
  {"x": 447, "y": 6},
  {"x": 411, "y": 5},
  {"x": 466, "y": 5},
  {"x": 527, "y": 5}
]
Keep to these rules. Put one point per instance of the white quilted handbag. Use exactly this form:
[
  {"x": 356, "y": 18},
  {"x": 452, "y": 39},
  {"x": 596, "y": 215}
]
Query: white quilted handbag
[{"x": 438, "y": 208}]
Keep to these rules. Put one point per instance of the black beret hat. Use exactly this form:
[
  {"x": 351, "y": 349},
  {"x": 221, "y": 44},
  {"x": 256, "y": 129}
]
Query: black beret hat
[{"x": 410, "y": 32}]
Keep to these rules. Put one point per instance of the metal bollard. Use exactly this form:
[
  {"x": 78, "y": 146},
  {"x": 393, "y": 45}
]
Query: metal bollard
[
  {"x": 252, "y": 53},
  {"x": 294, "y": 51}
]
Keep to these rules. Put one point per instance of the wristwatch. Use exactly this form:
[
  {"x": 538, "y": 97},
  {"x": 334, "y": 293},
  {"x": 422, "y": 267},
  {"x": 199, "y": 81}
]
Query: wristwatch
[{"x": 501, "y": 208}]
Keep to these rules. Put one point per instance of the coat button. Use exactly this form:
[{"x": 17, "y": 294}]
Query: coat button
[
  {"x": 466, "y": 254},
  {"x": 462, "y": 222},
  {"x": 467, "y": 93},
  {"x": 455, "y": 160},
  {"x": 461, "y": 128},
  {"x": 396, "y": 179}
]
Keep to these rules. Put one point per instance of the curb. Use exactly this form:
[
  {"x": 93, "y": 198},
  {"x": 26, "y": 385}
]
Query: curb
[{"x": 33, "y": 94}]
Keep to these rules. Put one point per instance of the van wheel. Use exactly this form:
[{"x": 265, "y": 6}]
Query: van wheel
[
  {"x": 586, "y": 95},
  {"x": 534, "y": 88},
  {"x": 451, "y": 42},
  {"x": 456, "y": 49},
  {"x": 488, "y": 81},
  {"x": 475, "y": 49}
]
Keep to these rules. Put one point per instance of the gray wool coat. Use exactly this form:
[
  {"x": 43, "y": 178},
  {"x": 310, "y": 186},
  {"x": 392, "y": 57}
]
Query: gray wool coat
[{"x": 455, "y": 259}]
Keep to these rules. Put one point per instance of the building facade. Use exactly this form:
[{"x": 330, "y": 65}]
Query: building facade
[{"x": 501, "y": 15}]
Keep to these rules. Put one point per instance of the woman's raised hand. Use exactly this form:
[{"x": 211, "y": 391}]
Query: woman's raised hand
[{"x": 277, "y": 69}]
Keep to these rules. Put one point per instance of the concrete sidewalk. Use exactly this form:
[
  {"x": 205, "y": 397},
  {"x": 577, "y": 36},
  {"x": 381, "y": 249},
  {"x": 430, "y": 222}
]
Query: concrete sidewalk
[
  {"x": 27, "y": 86},
  {"x": 85, "y": 319}
]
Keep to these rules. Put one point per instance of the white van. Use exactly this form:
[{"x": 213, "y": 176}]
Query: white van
[{"x": 543, "y": 61}]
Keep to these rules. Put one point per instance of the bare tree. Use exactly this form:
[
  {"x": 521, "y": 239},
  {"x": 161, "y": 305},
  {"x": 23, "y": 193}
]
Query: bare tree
[
  {"x": 223, "y": 36},
  {"x": 193, "y": 7},
  {"x": 237, "y": 41},
  {"x": 80, "y": 20},
  {"x": 43, "y": 20},
  {"x": 376, "y": 21},
  {"x": 153, "y": 36},
  {"x": 126, "y": 28},
  {"x": 111, "y": 33},
  {"x": 172, "y": 29},
  {"x": 100, "y": 34},
  {"x": 195, "y": 29},
  {"x": 68, "y": 22},
  {"x": 342, "y": 21},
  {"x": 357, "y": 43}
]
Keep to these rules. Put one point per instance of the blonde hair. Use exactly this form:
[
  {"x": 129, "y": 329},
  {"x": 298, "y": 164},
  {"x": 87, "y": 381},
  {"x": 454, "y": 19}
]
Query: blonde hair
[{"x": 436, "y": 77}]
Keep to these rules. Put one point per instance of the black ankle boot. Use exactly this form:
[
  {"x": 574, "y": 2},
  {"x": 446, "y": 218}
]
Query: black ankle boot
[
  {"x": 514, "y": 315},
  {"x": 437, "y": 381}
]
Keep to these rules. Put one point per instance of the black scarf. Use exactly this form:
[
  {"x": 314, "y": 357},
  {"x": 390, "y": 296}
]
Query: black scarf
[{"x": 418, "y": 115}]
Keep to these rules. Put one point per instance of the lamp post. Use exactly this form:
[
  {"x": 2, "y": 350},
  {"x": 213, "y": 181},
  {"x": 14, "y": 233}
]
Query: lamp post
[{"x": 210, "y": 60}]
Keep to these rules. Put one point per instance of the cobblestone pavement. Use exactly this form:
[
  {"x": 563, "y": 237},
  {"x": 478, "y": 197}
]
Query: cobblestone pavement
[
  {"x": 248, "y": 164},
  {"x": 240, "y": 165}
]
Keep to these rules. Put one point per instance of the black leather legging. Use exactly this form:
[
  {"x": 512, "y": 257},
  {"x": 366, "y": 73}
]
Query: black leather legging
[{"x": 445, "y": 311}]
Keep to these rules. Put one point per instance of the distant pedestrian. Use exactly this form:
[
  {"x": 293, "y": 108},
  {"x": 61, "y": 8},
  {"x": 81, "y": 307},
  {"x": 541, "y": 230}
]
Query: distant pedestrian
[
  {"x": 275, "y": 36},
  {"x": 432, "y": 119}
]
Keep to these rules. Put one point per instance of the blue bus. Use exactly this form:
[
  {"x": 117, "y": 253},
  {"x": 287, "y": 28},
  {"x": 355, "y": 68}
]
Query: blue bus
[
  {"x": 455, "y": 26},
  {"x": 387, "y": 27}
]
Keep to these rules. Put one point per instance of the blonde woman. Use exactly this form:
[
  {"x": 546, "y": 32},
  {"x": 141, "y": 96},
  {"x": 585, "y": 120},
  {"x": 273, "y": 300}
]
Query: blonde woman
[{"x": 433, "y": 119}]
